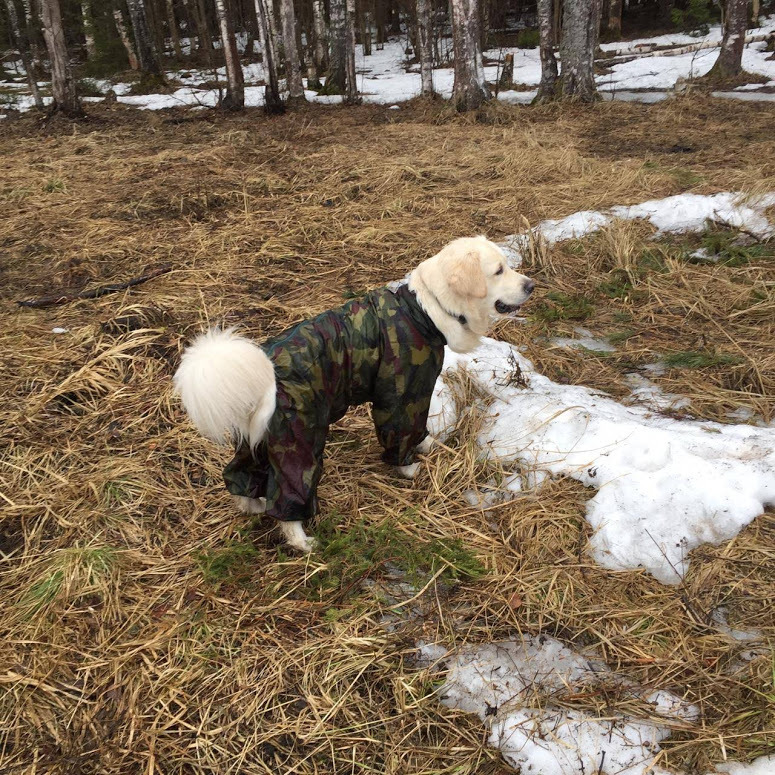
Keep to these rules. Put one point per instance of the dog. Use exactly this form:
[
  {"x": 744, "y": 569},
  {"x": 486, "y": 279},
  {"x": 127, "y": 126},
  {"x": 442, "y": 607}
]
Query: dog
[{"x": 277, "y": 401}]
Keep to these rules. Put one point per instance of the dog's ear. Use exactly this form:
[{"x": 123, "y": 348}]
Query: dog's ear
[{"x": 466, "y": 277}]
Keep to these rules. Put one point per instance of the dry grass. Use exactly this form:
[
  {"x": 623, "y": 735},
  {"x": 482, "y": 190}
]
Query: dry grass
[{"x": 148, "y": 628}]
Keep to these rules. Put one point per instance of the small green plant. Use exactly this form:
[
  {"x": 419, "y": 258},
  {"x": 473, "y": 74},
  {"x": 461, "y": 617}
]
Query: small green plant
[
  {"x": 723, "y": 245},
  {"x": 693, "y": 359},
  {"x": 617, "y": 337},
  {"x": 528, "y": 39},
  {"x": 54, "y": 186},
  {"x": 88, "y": 87},
  {"x": 233, "y": 563},
  {"x": 561, "y": 306},
  {"x": 618, "y": 285}
]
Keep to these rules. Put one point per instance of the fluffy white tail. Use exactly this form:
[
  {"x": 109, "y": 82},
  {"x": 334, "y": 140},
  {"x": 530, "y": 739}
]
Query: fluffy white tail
[{"x": 227, "y": 384}]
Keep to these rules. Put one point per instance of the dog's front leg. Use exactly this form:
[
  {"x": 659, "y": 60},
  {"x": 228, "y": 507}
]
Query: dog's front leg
[
  {"x": 409, "y": 471},
  {"x": 294, "y": 534}
]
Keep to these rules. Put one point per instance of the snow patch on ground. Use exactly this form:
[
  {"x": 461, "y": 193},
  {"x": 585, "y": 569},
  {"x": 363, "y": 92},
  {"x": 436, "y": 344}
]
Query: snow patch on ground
[
  {"x": 764, "y": 765},
  {"x": 501, "y": 681}
]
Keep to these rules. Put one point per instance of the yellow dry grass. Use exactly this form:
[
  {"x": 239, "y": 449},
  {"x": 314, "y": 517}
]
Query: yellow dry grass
[{"x": 148, "y": 628}]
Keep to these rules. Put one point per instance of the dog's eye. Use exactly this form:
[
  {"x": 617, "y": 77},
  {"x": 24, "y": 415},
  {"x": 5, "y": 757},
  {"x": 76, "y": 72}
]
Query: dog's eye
[{"x": 500, "y": 271}]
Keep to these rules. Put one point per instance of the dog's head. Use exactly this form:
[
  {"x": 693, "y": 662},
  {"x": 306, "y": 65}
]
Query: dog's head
[{"x": 471, "y": 279}]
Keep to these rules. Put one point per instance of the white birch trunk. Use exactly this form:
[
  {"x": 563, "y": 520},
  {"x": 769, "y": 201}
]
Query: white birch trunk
[
  {"x": 337, "y": 64},
  {"x": 580, "y": 25},
  {"x": 235, "y": 84},
  {"x": 424, "y": 40},
  {"x": 118, "y": 17},
  {"x": 351, "y": 94},
  {"x": 321, "y": 38},
  {"x": 173, "y": 25},
  {"x": 548, "y": 85},
  {"x": 88, "y": 29},
  {"x": 470, "y": 89},
  {"x": 24, "y": 53},
  {"x": 292, "y": 62},
  {"x": 62, "y": 81}
]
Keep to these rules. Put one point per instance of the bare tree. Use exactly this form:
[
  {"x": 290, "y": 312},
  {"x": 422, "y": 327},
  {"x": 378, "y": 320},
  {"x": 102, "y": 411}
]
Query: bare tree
[
  {"x": 425, "y": 47},
  {"x": 272, "y": 101},
  {"x": 146, "y": 56},
  {"x": 292, "y": 62},
  {"x": 730, "y": 58},
  {"x": 235, "y": 84},
  {"x": 173, "y": 25},
  {"x": 88, "y": 29},
  {"x": 118, "y": 18},
  {"x": 548, "y": 86},
  {"x": 62, "y": 82},
  {"x": 24, "y": 54},
  {"x": 470, "y": 89},
  {"x": 581, "y": 21},
  {"x": 337, "y": 63},
  {"x": 351, "y": 96},
  {"x": 321, "y": 39},
  {"x": 614, "y": 19}
]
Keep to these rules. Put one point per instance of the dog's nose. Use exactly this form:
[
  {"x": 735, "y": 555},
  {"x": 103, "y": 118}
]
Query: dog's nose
[{"x": 529, "y": 285}]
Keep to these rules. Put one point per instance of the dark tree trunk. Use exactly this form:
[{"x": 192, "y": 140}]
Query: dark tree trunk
[
  {"x": 320, "y": 54},
  {"x": 470, "y": 89},
  {"x": 730, "y": 58},
  {"x": 581, "y": 22},
  {"x": 203, "y": 28},
  {"x": 273, "y": 103},
  {"x": 665, "y": 8},
  {"x": 146, "y": 56},
  {"x": 506, "y": 79},
  {"x": 173, "y": 25},
  {"x": 425, "y": 47},
  {"x": 235, "y": 85},
  {"x": 62, "y": 82},
  {"x": 547, "y": 89}
]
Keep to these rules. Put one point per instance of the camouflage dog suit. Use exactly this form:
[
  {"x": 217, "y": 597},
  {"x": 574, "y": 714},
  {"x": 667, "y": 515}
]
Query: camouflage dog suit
[{"x": 383, "y": 348}]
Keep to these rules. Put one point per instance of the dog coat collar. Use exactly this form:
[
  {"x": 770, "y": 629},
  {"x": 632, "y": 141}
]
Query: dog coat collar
[{"x": 462, "y": 319}]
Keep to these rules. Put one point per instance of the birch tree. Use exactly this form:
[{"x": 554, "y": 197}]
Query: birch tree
[
  {"x": 581, "y": 21},
  {"x": 292, "y": 61},
  {"x": 425, "y": 46},
  {"x": 337, "y": 63},
  {"x": 470, "y": 89},
  {"x": 121, "y": 28},
  {"x": 62, "y": 82},
  {"x": 146, "y": 56},
  {"x": 351, "y": 83},
  {"x": 272, "y": 101},
  {"x": 235, "y": 84},
  {"x": 548, "y": 86},
  {"x": 88, "y": 29},
  {"x": 173, "y": 25},
  {"x": 20, "y": 40},
  {"x": 320, "y": 53},
  {"x": 730, "y": 58}
]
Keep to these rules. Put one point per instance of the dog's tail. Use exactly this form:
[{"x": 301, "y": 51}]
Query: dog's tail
[{"x": 227, "y": 385}]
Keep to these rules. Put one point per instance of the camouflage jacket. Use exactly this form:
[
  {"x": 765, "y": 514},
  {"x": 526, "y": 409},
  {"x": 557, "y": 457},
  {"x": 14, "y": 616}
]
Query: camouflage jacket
[{"x": 382, "y": 348}]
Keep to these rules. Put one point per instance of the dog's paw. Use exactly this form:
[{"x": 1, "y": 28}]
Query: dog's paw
[
  {"x": 250, "y": 505},
  {"x": 408, "y": 471},
  {"x": 425, "y": 446},
  {"x": 294, "y": 534},
  {"x": 306, "y": 546}
]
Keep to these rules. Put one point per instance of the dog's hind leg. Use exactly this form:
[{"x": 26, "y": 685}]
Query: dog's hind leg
[
  {"x": 250, "y": 505},
  {"x": 294, "y": 534}
]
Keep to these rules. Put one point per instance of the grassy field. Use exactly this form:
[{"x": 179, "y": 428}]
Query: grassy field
[{"x": 149, "y": 628}]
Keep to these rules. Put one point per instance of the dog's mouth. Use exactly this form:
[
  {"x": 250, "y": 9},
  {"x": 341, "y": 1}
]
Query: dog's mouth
[{"x": 506, "y": 309}]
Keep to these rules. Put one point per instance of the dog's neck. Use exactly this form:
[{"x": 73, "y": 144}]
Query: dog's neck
[{"x": 461, "y": 338}]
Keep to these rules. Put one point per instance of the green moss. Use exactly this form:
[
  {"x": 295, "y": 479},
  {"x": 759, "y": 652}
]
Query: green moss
[
  {"x": 692, "y": 359},
  {"x": 561, "y": 306},
  {"x": 233, "y": 563}
]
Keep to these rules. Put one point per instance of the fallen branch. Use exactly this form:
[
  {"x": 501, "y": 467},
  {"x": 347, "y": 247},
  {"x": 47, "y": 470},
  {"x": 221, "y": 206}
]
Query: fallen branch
[{"x": 94, "y": 293}]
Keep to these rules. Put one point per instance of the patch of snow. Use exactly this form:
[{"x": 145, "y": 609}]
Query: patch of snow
[
  {"x": 59, "y": 330},
  {"x": 500, "y": 681},
  {"x": 664, "y": 486},
  {"x": 764, "y": 765},
  {"x": 745, "y": 96},
  {"x": 645, "y": 392},
  {"x": 585, "y": 341}
]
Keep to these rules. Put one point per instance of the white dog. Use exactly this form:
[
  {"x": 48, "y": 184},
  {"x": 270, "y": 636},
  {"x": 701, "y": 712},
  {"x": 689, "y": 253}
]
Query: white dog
[{"x": 277, "y": 401}]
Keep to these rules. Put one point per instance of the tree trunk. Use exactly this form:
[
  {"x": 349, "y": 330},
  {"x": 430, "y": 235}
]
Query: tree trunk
[
  {"x": 470, "y": 89},
  {"x": 62, "y": 82},
  {"x": 614, "y": 19},
  {"x": 581, "y": 21},
  {"x": 24, "y": 54},
  {"x": 235, "y": 85},
  {"x": 506, "y": 79},
  {"x": 118, "y": 17},
  {"x": 173, "y": 25},
  {"x": 730, "y": 58},
  {"x": 755, "y": 11},
  {"x": 205, "y": 36},
  {"x": 365, "y": 29},
  {"x": 155, "y": 27},
  {"x": 351, "y": 93},
  {"x": 665, "y": 8},
  {"x": 321, "y": 39},
  {"x": 425, "y": 49},
  {"x": 31, "y": 27},
  {"x": 146, "y": 56},
  {"x": 547, "y": 89},
  {"x": 337, "y": 63},
  {"x": 273, "y": 103},
  {"x": 292, "y": 64},
  {"x": 88, "y": 29}
]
